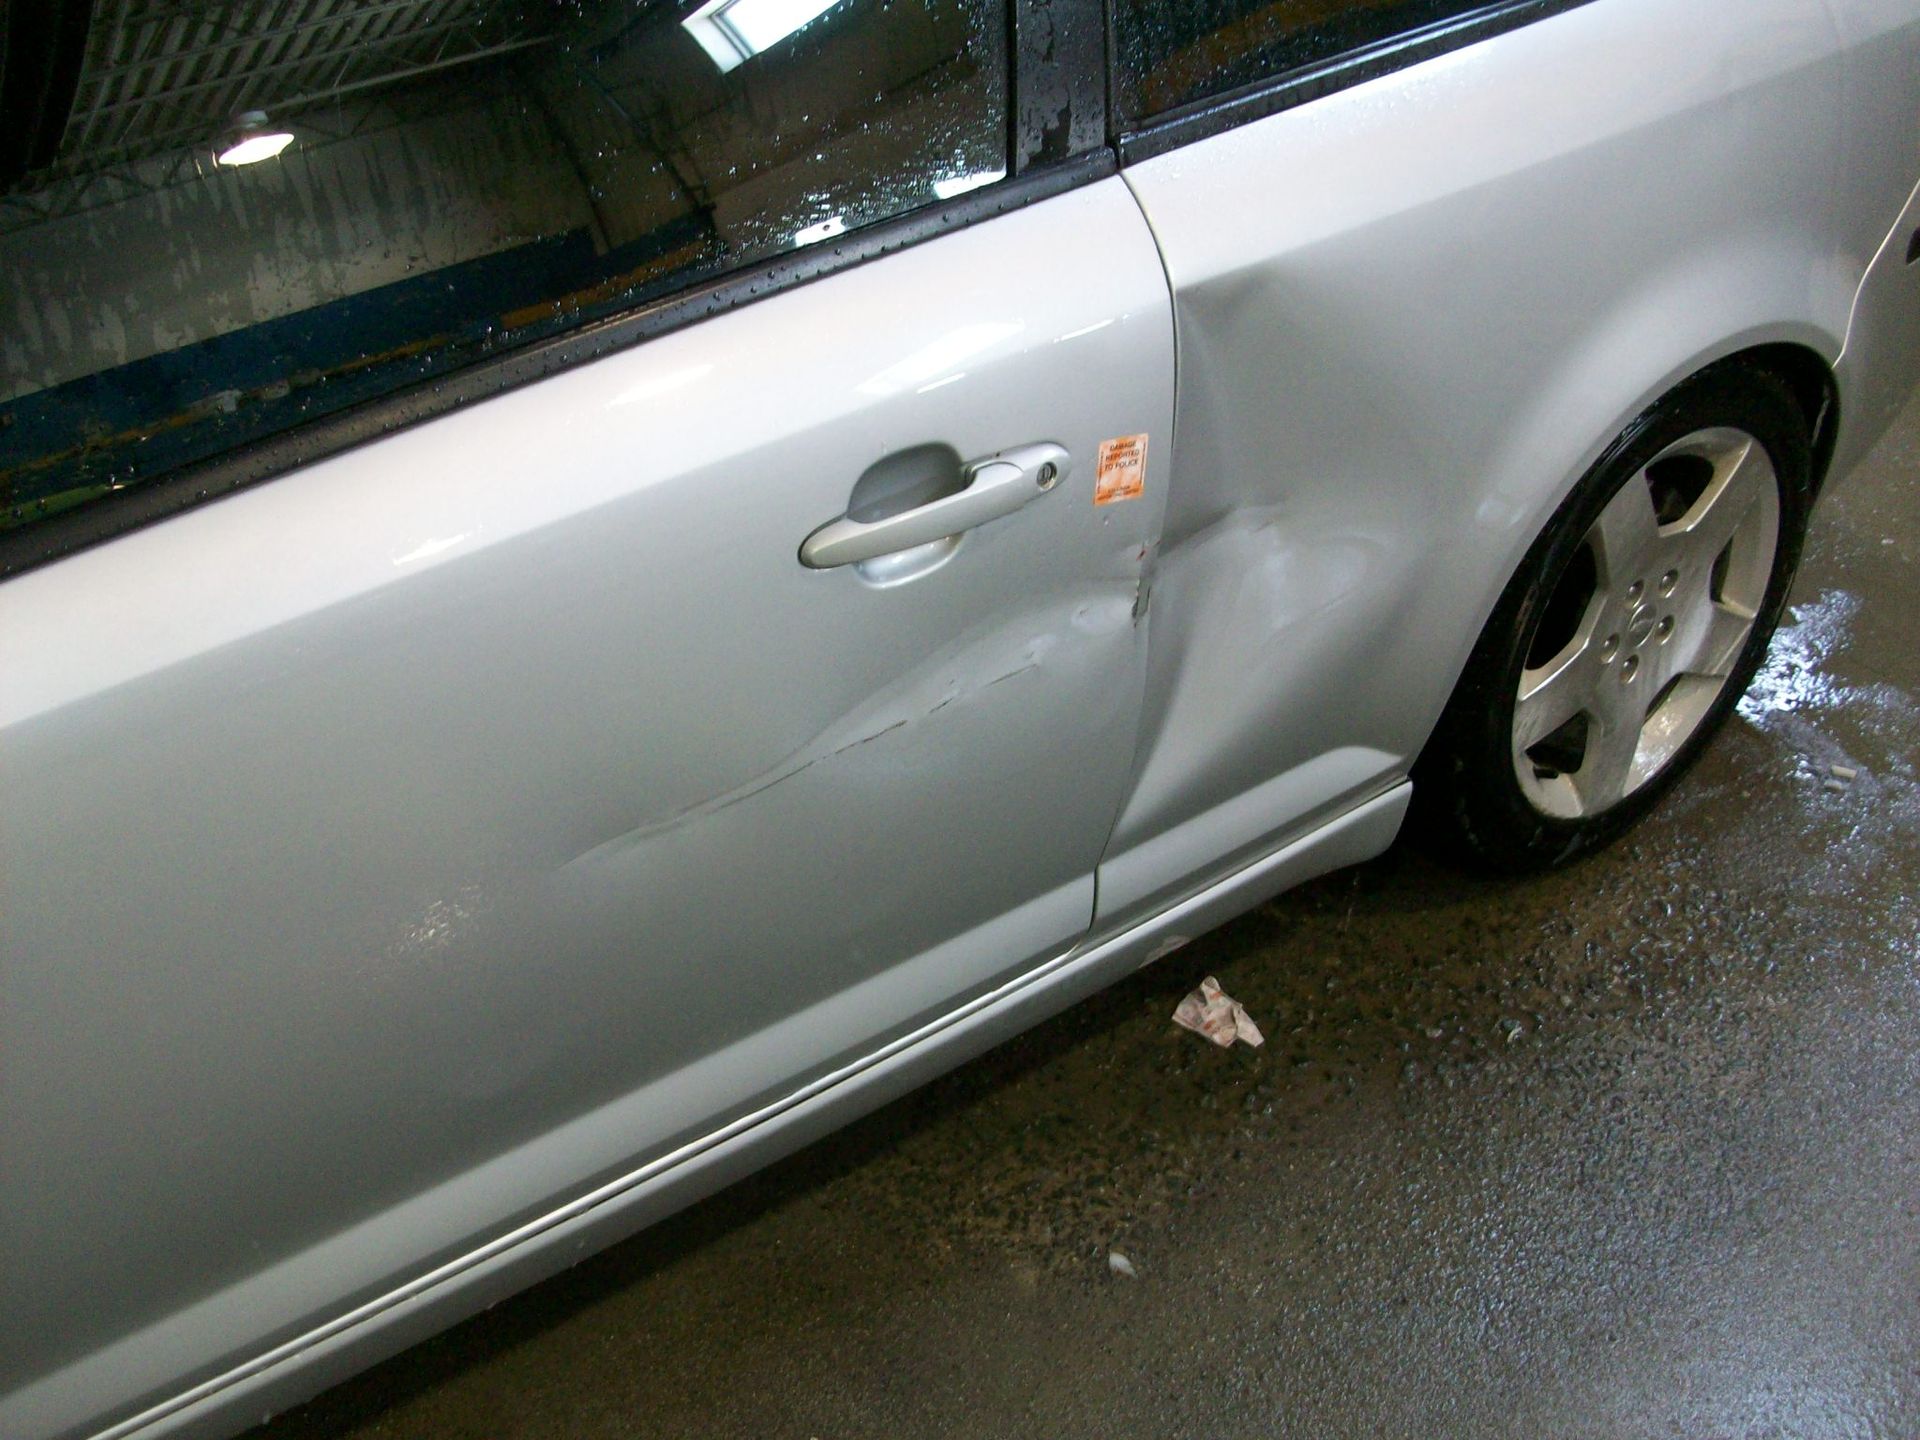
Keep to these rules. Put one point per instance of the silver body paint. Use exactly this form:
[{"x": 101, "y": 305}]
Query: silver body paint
[
  {"x": 1412, "y": 314},
  {"x": 457, "y": 853}
]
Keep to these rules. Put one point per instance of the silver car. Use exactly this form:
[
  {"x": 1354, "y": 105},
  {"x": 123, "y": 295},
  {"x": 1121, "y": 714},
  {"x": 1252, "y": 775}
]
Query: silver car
[{"x": 591, "y": 591}]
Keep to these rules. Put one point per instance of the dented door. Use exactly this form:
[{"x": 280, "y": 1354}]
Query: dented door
[{"x": 432, "y": 833}]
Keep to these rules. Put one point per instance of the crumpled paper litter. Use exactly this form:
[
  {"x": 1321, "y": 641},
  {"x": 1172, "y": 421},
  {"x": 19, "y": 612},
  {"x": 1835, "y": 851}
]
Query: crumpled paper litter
[{"x": 1211, "y": 1012}]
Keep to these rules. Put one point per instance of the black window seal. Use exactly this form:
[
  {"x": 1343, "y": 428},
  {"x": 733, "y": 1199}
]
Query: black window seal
[
  {"x": 1058, "y": 128},
  {"x": 1218, "y": 113}
]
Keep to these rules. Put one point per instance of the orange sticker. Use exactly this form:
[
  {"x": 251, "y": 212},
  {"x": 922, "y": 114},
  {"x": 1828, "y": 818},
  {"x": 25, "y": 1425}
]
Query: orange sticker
[{"x": 1122, "y": 472}]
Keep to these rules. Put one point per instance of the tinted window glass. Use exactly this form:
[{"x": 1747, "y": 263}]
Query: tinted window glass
[
  {"x": 1171, "y": 52},
  {"x": 259, "y": 214}
]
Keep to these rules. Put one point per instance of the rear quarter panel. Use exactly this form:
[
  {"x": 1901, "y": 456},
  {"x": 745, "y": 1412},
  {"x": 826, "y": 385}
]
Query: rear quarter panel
[
  {"x": 1409, "y": 316},
  {"x": 1878, "y": 177}
]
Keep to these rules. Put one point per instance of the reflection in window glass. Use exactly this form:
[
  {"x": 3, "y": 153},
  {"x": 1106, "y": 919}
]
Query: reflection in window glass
[
  {"x": 1173, "y": 52},
  {"x": 263, "y": 213}
]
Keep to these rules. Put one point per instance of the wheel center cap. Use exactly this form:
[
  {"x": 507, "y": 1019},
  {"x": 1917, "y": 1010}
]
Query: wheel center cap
[{"x": 1641, "y": 625}]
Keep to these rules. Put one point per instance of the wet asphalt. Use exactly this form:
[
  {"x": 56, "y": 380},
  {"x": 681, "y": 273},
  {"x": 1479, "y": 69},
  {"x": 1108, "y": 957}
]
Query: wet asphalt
[{"x": 1632, "y": 1150}]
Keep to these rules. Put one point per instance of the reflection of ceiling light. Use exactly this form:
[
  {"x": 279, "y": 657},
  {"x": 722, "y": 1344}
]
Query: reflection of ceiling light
[
  {"x": 250, "y": 141},
  {"x": 255, "y": 148},
  {"x": 825, "y": 230},
  {"x": 731, "y": 31},
  {"x": 960, "y": 184},
  {"x": 427, "y": 549},
  {"x": 654, "y": 386},
  {"x": 931, "y": 363}
]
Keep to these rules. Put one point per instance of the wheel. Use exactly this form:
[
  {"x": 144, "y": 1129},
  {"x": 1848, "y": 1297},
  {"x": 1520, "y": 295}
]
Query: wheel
[{"x": 1629, "y": 633}]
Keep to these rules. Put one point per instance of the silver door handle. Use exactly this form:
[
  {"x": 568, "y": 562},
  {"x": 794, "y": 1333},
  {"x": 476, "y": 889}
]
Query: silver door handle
[{"x": 996, "y": 486}]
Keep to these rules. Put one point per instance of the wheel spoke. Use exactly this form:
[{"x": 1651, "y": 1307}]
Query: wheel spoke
[
  {"x": 1741, "y": 477},
  {"x": 1720, "y": 642},
  {"x": 1625, "y": 534},
  {"x": 1551, "y": 696},
  {"x": 1608, "y": 766}
]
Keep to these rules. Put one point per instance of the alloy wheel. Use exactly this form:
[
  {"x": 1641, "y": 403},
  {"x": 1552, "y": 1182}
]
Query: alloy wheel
[{"x": 1644, "y": 628}]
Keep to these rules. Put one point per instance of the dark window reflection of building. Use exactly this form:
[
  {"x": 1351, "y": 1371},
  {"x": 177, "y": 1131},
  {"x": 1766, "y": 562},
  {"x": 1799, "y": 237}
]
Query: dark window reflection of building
[{"x": 459, "y": 179}]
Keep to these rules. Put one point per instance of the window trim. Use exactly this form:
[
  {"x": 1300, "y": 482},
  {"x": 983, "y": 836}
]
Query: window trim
[
  {"x": 1202, "y": 119},
  {"x": 1057, "y": 134}
]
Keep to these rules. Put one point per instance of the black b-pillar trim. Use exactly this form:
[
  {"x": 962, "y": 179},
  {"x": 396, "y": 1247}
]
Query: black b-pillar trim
[{"x": 1059, "y": 80}]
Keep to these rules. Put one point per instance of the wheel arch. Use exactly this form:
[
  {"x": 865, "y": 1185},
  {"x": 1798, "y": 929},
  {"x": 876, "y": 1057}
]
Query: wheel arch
[
  {"x": 1587, "y": 403},
  {"x": 1501, "y": 781},
  {"x": 1814, "y": 387}
]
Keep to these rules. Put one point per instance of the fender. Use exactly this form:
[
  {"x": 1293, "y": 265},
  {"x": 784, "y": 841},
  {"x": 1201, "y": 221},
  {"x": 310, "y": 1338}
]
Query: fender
[{"x": 1409, "y": 316}]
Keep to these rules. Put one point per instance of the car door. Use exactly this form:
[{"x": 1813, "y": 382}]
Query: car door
[{"x": 603, "y": 739}]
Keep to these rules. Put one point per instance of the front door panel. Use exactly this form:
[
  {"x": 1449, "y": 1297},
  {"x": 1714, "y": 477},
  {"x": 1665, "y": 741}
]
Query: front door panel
[{"x": 507, "y": 793}]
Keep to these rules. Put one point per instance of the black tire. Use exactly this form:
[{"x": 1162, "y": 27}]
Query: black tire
[{"x": 1479, "y": 796}]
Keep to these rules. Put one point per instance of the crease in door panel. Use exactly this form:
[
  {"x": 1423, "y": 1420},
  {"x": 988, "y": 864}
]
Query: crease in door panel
[
  {"x": 962, "y": 673},
  {"x": 1150, "y": 551}
]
